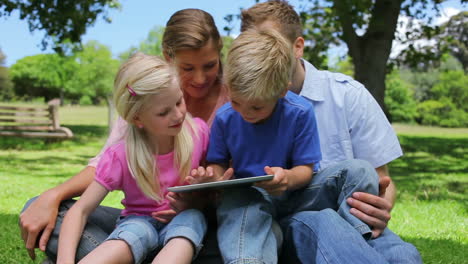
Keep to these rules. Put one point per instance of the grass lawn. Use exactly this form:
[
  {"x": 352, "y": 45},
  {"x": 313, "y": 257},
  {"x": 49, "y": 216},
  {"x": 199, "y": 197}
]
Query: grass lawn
[{"x": 432, "y": 181}]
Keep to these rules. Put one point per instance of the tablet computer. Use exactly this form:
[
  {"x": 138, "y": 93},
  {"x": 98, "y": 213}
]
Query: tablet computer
[{"x": 220, "y": 184}]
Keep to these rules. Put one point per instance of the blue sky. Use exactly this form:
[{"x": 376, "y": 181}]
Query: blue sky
[{"x": 129, "y": 26}]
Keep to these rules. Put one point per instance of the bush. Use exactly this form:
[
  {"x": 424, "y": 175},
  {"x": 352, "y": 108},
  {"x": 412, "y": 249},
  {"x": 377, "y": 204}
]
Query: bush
[
  {"x": 399, "y": 99},
  {"x": 85, "y": 100},
  {"x": 441, "y": 112}
]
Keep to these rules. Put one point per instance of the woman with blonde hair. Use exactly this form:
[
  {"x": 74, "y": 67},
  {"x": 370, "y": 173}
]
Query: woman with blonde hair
[
  {"x": 192, "y": 43},
  {"x": 161, "y": 146}
]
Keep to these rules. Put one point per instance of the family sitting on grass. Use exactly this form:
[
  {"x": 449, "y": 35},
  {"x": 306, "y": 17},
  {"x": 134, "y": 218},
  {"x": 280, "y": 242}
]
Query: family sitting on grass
[{"x": 185, "y": 119}]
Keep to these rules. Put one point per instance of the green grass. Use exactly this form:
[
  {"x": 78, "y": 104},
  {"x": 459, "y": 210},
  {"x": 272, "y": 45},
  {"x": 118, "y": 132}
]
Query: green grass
[{"x": 432, "y": 180}]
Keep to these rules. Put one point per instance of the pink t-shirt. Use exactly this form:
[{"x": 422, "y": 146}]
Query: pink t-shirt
[
  {"x": 112, "y": 172},
  {"x": 120, "y": 127}
]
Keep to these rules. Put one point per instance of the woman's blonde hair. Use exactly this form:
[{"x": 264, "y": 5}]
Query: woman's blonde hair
[
  {"x": 140, "y": 77},
  {"x": 259, "y": 65}
]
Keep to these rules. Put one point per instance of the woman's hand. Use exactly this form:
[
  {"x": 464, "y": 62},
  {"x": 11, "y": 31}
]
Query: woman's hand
[
  {"x": 371, "y": 209},
  {"x": 276, "y": 186},
  {"x": 38, "y": 221}
]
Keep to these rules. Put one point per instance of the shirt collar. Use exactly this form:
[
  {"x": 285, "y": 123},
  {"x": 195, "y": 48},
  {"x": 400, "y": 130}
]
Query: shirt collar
[{"x": 314, "y": 82}]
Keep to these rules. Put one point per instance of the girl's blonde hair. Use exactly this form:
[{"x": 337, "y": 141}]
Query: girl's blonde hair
[{"x": 140, "y": 77}]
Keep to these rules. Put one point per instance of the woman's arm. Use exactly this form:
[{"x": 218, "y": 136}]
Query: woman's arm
[
  {"x": 41, "y": 215},
  {"x": 75, "y": 220}
]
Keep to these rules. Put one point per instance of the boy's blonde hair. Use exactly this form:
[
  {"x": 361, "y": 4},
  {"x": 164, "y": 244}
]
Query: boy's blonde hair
[
  {"x": 259, "y": 65},
  {"x": 146, "y": 76},
  {"x": 279, "y": 12}
]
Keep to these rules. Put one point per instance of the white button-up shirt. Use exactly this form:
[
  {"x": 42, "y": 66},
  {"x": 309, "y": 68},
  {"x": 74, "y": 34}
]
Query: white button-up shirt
[{"x": 350, "y": 122}]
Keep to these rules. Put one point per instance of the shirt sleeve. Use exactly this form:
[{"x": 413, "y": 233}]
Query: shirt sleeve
[
  {"x": 306, "y": 141},
  {"x": 372, "y": 136},
  {"x": 109, "y": 170},
  {"x": 117, "y": 133},
  {"x": 217, "y": 149}
]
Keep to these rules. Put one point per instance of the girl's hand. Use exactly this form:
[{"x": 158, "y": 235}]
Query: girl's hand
[
  {"x": 276, "y": 186},
  {"x": 202, "y": 175},
  {"x": 164, "y": 216}
]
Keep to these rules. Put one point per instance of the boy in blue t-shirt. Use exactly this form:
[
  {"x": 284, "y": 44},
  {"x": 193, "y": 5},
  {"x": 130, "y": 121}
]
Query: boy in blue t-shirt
[{"x": 263, "y": 130}]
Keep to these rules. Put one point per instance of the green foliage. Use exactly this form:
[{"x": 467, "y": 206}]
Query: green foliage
[
  {"x": 453, "y": 85},
  {"x": 344, "y": 66},
  {"x": 227, "y": 42},
  {"x": 399, "y": 99},
  {"x": 43, "y": 75},
  {"x": 89, "y": 72},
  {"x": 85, "y": 100},
  {"x": 152, "y": 45},
  {"x": 64, "y": 21},
  {"x": 442, "y": 112},
  {"x": 6, "y": 86},
  {"x": 95, "y": 75}
]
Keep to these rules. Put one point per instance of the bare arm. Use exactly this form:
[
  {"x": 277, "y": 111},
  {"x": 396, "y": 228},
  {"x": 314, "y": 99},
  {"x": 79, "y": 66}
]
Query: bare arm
[
  {"x": 75, "y": 220},
  {"x": 386, "y": 191},
  {"x": 41, "y": 215}
]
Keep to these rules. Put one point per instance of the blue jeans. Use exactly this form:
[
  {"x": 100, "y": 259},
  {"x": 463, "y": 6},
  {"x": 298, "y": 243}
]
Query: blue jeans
[
  {"x": 329, "y": 188},
  {"x": 101, "y": 223},
  {"x": 245, "y": 233},
  {"x": 325, "y": 237},
  {"x": 145, "y": 235}
]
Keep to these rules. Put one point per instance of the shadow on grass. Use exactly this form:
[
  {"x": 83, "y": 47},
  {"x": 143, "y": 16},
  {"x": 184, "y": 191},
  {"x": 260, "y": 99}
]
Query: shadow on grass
[
  {"x": 82, "y": 134},
  {"x": 432, "y": 168},
  {"x": 439, "y": 250}
]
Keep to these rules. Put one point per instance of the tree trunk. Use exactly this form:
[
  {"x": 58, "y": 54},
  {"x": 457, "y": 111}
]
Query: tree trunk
[
  {"x": 371, "y": 51},
  {"x": 370, "y": 69}
]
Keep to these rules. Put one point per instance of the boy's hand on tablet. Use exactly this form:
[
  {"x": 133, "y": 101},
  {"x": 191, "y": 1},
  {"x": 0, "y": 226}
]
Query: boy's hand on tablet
[{"x": 278, "y": 185}]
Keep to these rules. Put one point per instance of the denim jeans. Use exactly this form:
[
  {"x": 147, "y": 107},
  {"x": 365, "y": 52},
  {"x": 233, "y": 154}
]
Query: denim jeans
[
  {"x": 325, "y": 237},
  {"x": 145, "y": 235},
  {"x": 329, "y": 188},
  {"x": 245, "y": 232},
  {"x": 100, "y": 225}
]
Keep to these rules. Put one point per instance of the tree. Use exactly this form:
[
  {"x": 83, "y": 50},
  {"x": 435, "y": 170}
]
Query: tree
[
  {"x": 399, "y": 98},
  {"x": 152, "y": 45},
  {"x": 368, "y": 29},
  {"x": 455, "y": 33},
  {"x": 94, "y": 78},
  {"x": 6, "y": 86},
  {"x": 63, "y": 21},
  {"x": 43, "y": 75}
]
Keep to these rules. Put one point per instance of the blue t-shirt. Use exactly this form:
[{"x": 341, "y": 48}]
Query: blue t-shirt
[{"x": 287, "y": 139}]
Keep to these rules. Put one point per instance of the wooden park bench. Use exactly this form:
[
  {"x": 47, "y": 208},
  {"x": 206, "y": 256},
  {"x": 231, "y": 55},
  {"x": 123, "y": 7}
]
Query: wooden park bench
[{"x": 37, "y": 121}]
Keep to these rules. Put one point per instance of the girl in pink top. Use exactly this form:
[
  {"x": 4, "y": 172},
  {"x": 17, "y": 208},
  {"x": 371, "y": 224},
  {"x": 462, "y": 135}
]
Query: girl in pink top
[
  {"x": 162, "y": 145},
  {"x": 193, "y": 44}
]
